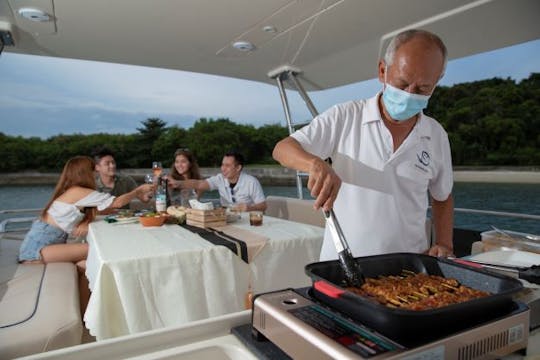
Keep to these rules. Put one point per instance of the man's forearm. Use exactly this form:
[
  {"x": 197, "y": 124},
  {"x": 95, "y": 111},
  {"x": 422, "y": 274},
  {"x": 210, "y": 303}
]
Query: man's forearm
[
  {"x": 199, "y": 185},
  {"x": 257, "y": 207},
  {"x": 289, "y": 153},
  {"x": 443, "y": 217}
]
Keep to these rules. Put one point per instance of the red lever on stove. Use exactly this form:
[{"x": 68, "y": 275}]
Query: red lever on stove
[{"x": 327, "y": 289}]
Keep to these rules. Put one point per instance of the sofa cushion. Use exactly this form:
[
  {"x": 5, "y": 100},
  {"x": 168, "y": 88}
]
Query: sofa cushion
[{"x": 39, "y": 305}]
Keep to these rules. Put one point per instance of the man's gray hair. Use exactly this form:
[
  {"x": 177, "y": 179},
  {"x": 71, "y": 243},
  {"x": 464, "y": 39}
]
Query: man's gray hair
[{"x": 408, "y": 35}]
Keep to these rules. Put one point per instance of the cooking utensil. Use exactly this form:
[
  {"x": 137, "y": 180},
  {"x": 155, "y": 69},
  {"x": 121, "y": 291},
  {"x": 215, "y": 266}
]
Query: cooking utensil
[
  {"x": 529, "y": 273},
  {"x": 352, "y": 271},
  {"x": 409, "y": 327}
]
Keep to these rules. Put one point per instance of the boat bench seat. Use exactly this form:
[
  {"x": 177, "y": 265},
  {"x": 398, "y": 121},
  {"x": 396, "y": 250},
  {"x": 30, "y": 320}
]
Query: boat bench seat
[
  {"x": 294, "y": 209},
  {"x": 39, "y": 305}
]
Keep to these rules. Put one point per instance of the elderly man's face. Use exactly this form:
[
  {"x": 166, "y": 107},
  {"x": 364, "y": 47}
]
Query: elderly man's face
[{"x": 417, "y": 67}]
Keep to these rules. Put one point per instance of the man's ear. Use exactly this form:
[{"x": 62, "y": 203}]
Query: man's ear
[{"x": 381, "y": 70}]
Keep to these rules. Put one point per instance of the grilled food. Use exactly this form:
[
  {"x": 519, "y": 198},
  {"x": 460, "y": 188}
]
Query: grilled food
[{"x": 413, "y": 291}]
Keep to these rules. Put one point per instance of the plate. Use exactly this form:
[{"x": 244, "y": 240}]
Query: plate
[
  {"x": 125, "y": 219},
  {"x": 120, "y": 219}
]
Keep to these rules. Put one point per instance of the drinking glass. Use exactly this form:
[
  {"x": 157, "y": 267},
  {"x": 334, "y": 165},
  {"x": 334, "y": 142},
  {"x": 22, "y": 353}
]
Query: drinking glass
[
  {"x": 157, "y": 168},
  {"x": 149, "y": 178},
  {"x": 256, "y": 218}
]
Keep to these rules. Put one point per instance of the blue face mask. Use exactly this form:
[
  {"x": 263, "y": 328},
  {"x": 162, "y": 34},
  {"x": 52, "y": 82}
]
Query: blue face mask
[{"x": 402, "y": 105}]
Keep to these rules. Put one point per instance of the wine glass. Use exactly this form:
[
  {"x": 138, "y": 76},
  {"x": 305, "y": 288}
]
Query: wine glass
[
  {"x": 149, "y": 178},
  {"x": 157, "y": 168}
]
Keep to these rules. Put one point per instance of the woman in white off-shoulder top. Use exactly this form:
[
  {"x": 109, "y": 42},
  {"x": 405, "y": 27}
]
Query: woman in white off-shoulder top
[{"x": 72, "y": 207}]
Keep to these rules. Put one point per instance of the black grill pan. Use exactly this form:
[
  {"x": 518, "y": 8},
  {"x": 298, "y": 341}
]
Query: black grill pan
[{"x": 408, "y": 327}]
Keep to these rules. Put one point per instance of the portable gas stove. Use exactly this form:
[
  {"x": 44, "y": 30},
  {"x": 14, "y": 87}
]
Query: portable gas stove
[{"x": 304, "y": 328}]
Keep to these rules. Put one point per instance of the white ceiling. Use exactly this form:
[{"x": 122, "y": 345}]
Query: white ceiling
[{"x": 333, "y": 42}]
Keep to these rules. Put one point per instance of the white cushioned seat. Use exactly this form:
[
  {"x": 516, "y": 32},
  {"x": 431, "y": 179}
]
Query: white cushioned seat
[{"x": 39, "y": 305}]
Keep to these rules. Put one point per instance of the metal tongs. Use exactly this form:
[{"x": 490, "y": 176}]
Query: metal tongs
[
  {"x": 352, "y": 270},
  {"x": 529, "y": 273}
]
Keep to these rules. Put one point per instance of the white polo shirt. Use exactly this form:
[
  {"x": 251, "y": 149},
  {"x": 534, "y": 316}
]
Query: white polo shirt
[
  {"x": 383, "y": 199},
  {"x": 247, "y": 190}
]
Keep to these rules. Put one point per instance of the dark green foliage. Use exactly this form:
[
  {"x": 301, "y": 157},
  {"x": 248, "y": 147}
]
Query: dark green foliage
[
  {"x": 209, "y": 139},
  {"x": 489, "y": 122}
]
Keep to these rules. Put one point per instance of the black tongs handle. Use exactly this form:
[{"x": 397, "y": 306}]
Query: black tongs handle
[
  {"x": 353, "y": 272},
  {"x": 531, "y": 274}
]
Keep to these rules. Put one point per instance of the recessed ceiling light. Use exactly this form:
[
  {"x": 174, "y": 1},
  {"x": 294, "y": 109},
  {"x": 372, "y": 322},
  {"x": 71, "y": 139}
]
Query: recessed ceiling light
[
  {"x": 270, "y": 29},
  {"x": 34, "y": 14},
  {"x": 243, "y": 46}
]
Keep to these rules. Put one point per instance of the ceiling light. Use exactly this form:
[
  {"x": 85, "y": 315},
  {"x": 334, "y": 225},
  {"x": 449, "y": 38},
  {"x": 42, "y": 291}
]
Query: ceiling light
[
  {"x": 243, "y": 46},
  {"x": 270, "y": 29},
  {"x": 34, "y": 14}
]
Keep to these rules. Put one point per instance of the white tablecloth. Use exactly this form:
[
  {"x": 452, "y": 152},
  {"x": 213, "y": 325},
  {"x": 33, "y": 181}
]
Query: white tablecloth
[{"x": 145, "y": 278}]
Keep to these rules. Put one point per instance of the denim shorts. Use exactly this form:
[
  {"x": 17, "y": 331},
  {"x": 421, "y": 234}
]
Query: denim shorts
[{"x": 40, "y": 235}]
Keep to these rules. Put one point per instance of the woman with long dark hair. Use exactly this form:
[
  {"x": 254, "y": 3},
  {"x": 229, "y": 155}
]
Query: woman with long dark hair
[
  {"x": 185, "y": 167},
  {"x": 73, "y": 205}
]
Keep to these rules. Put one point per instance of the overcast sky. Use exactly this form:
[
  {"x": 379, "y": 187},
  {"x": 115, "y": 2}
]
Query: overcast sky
[{"x": 42, "y": 96}]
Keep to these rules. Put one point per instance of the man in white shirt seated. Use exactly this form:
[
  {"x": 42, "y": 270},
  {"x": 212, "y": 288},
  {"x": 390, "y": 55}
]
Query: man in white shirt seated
[{"x": 237, "y": 190}]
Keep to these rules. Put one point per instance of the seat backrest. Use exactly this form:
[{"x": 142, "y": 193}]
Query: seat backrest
[{"x": 294, "y": 209}]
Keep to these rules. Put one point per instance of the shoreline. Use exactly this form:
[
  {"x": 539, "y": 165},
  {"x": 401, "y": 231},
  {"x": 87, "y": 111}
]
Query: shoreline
[{"x": 278, "y": 176}]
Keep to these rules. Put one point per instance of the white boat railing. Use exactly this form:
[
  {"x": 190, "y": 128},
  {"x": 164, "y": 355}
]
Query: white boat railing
[
  {"x": 6, "y": 224},
  {"x": 498, "y": 213}
]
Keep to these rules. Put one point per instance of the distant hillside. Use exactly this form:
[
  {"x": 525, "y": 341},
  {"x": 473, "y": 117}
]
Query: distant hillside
[{"x": 491, "y": 122}]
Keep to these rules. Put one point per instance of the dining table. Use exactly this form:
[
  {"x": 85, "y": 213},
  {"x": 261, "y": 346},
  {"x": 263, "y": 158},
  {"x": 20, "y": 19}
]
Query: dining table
[{"x": 144, "y": 278}]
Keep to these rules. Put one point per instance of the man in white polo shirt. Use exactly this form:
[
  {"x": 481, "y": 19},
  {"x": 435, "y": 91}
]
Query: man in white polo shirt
[
  {"x": 240, "y": 191},
  {"x": 387, "y": 157}
]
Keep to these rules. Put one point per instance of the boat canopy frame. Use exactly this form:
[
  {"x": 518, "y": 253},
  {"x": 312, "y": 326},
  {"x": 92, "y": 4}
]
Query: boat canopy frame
[{"x": 289, "y": 75}]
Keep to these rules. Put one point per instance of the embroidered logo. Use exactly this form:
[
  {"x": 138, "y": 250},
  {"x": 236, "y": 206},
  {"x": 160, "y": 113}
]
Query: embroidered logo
[{"x": 424, "y": 158}]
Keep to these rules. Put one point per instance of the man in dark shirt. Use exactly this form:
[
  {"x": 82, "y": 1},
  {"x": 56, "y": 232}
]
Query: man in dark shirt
[{"x": 107, "y": 180}]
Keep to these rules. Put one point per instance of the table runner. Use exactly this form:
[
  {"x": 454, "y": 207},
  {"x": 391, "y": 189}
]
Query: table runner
[
  {"x": 255, "y": 242},
  {"x": 243, "y": 243}
]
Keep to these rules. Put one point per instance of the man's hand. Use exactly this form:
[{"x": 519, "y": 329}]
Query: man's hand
[
  {"x": 439, "y": 251},
  {"x": 324, "y": 184},
  {"x": 172, "y": 183},
  {"x": 145, "y": 192},
  {"x": 242, "y": 207}
]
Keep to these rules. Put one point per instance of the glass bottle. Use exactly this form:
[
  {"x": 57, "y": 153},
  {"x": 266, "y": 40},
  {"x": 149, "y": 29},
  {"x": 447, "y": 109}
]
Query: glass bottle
[{"x": 161, "y": 196}]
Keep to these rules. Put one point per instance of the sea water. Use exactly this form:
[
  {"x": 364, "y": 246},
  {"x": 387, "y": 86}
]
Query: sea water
[{"x": 515, "y": 198}]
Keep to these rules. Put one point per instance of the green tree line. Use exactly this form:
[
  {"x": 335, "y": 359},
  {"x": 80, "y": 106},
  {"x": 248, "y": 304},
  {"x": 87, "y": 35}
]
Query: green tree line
[
  {"x": 208, "y": 139},
  {"x": 489, "y": 122}
]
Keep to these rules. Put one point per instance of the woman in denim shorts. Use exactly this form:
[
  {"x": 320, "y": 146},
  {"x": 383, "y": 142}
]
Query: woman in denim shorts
[
  {"x": 40, "y": 235},
  {"x": 72, "y": 207}
]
